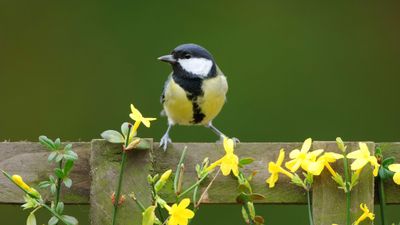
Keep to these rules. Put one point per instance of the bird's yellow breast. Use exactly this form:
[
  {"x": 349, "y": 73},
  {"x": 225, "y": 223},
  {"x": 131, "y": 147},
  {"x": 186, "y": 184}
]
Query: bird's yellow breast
[{"x": 180, "y": 109}]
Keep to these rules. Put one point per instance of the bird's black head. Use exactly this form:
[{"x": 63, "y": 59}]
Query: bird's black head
[{"x": 191, "y": 61}]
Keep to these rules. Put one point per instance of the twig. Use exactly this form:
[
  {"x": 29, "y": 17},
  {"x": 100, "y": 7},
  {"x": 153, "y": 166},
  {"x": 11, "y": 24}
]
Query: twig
[{"x": 206, "y": 190}]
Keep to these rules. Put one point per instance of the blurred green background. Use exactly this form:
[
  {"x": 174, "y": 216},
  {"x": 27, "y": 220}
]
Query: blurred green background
[{"x": 295, "y": 70}]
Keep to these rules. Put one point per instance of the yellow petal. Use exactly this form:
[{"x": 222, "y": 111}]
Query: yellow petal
[
  {"x": 315, "y": 168},
  {"x": 293, "y": 165},
  {"x": 315, "y": 153},
  {"x": 293, "y": 154},
  {"x": 228, "y": 145},
  {"x": 187, "y": 213},
  {"x": 306, "y": 145},
  {"x": 281, "y": 157},
  {"x": 226, "y": 169},
  {"x": 355, "y": 155},
  {"x": 394, "y": 168},
  {"x": 184, "y": 203},
  {"x": 272, "y": 180},
  {"x": 135, "y": 115},
  {"x": 172, "y": 221},
  {"x": 363, "y": 147},
  {"x": 396, "y": 178},
  {"x": 358, "y": 164},
  {"x": 235, "y": 171}
]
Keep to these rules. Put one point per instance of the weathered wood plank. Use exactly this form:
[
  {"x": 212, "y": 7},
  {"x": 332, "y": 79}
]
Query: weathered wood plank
[
  {"x": 224, "y": 189},
  {"x": 105, "y": 165},
  {"x": 29, "y": 159},
  {"x": 329, "y": 202}
]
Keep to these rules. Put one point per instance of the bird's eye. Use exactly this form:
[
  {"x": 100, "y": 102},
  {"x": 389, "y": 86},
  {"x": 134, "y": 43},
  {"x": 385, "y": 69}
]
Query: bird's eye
[{"x": 187, "y": 56}]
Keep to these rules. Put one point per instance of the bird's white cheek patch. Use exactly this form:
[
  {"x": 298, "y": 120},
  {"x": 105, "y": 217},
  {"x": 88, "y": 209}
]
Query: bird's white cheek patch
[{"x": 198, "y": 66}]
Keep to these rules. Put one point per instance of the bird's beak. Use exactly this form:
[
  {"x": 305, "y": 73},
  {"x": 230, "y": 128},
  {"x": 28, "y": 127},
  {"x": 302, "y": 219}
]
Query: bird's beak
[{"x": 167, "y": 58}]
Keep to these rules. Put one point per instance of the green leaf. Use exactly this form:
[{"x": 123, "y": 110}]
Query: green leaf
[
  {"x": 256, "y": 196},
  {"x": 112, "y": 136},
  {"x": 53, "y": 221},
  {"x": 70, "y": 219},
  {"x": 59, "y": 173},
  {"x": 53, "y": 189},
  {"x": 388, "y": 161},
  {"x": 242, "y": 198},
  {"x": 149, "y": 216},
  {"x": 47, "y": 142},
  {"x": 246, "y": 161},
  {"x": 52, "y": 156},
  {"x": 31, "y": 220},
  {"x": 44, "y": 184},
  {"x": 60, "y": 208},
  {"x": 67, "y": 182},
  {"x": 70, "y": 155},
  {"x": 244, "y": 215},
  {"x": 57, "y": 143},
  {"x": 68, "y": 166},
  {"x": 259, "y": 220},
  {"x": 59, "y": 157},
  {"x": 125, "y": 129},
  {"x": 68, "y": 147},
  {"x": 384, "y": 173}
]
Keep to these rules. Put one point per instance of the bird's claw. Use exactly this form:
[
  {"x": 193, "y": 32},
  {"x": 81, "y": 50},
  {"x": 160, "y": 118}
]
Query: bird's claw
[
  {"x": 164, "y": 142},
  {"x": 235, "y": 140}
]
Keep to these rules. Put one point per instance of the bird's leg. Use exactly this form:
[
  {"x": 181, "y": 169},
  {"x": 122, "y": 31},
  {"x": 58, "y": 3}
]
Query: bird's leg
[
  {"x": 219, "y": 133},
  {"x": 165, "y": 138}
]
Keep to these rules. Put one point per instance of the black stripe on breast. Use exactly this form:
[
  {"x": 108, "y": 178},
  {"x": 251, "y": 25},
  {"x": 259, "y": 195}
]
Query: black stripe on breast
[{"x": 192, "y": 86}]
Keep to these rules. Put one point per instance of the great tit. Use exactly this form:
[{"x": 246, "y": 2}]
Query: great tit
[{"x": 195, "y": 91}]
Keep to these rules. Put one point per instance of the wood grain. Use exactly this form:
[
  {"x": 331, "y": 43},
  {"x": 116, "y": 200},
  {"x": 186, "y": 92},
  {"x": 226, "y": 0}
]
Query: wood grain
[
  {"x": 329, "y": 202},
  {"x": 29, "y": 159}
]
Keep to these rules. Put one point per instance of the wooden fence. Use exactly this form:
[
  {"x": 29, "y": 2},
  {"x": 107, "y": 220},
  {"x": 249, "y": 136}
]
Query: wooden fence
[{"x": 96, "y": 171}]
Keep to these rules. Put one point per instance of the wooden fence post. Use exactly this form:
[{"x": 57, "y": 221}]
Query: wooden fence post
[
  {"x": 105, "y": 165},
  {"x": 329, "y": 202}
]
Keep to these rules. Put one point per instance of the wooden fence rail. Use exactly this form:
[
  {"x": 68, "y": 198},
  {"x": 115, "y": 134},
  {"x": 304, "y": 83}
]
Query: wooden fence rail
[{"x": 96, "y": 171}]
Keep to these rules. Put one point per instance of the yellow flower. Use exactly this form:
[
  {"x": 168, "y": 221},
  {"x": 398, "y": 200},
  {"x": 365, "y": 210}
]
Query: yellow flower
[
  {"x": 302, "y": 157},
  {"x": 315, "y": 168},
  {"x": 179, "y": 214},
  {"x": 274, "y": 168},
  {"x": 230, "y": 161},
  {"x": 138, "y": 118},
  {"x": 362, "y": 157},
  {"x": 365, "y": 215},
  {"x": 20, "y": 182},
  {"x": 396, "y": 169}
]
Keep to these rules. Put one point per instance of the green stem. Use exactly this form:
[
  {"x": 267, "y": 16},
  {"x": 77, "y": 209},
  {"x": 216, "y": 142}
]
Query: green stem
[
  {"x": 178, "y": 171},
  {"x": 192, "y": 187},
  {"x": 310, "y": 215},
  {"x": 140, "y": 204},
  {"x": 59, "y": 182},
  {"x": 155, "y": 199},
  {"x": 121, "y": 172},
  {"x": 382, "y": 201},
  {"x": 55, "y": 214},
  {"x": 195, "y": 194},
  {"x": 348, "y": 193}
]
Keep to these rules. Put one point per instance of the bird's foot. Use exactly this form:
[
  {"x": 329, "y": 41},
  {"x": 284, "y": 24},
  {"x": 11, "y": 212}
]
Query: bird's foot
[
  {"x": 221, "y": 139},
  {"x": 164, "y": 141}
]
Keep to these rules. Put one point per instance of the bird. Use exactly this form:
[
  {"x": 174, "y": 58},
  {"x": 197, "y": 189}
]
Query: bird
[{"x": 194, "y": 92}]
